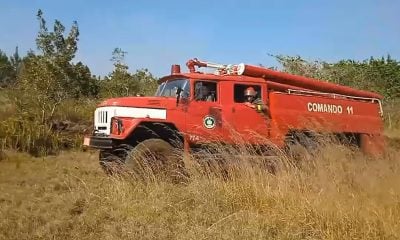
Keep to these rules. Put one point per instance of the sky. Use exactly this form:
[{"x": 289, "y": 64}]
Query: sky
[{"x": 157, "y": 34}]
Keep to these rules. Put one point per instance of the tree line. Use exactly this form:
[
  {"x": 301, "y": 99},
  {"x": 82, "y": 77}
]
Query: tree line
[
  {"x": 48, "y": 77},
  {"x": 45, "y": 87},
  {"x": 381, "y": 75},
  {"x": 51, "y": 72}
]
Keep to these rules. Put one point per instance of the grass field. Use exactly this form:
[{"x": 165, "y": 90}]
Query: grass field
[{"x": 340, "y": 195}]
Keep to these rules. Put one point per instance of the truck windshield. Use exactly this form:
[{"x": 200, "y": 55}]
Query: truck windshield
[{"x": 169, "y": 87}]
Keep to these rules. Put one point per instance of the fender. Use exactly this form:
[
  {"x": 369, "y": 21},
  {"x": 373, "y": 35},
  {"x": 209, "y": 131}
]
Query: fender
[
  {"x": 129, "y": 125},
  {"x": 122, "y": 127}
]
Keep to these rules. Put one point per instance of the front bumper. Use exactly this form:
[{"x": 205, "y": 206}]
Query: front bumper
[{"x": 99, "y": 142}]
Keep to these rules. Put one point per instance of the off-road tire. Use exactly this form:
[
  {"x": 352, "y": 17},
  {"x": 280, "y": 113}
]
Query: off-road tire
[
  {"x": 112, "y": 161},
  {"x": 155, "y": 159},
  {"x": 299, "y": 154},
  {"x": 300, "y": 148}
]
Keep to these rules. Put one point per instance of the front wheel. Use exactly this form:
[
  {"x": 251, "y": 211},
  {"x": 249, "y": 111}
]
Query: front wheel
[
  {"x": 112, "y": 161},
  {"x": 154, "y": 159}
]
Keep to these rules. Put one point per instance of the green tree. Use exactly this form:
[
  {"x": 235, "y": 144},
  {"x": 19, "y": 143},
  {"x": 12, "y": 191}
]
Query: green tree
[
  {"x": 54, "y": 45},
  {"x": 297, "y": 65},
  {"x": 16, "y": 61},
  {"x": 7, "y": 72},
  {"x": 147, "y": 82},
  {"x": 85, "y": 85},
  {"x": 47, "y": 79},
  {"x": 120, "y": 82},
  {"x": 40, "y": 88},
  {"x": 384, "y": 75},
  {"x": 59, "y": 49},
  {"x": 379, "y": 75}
]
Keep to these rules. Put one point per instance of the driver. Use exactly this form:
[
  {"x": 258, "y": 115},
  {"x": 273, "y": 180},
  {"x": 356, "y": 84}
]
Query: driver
[
  {"x": 252, "y": 101},
  {"x": 206, "y": 94}
]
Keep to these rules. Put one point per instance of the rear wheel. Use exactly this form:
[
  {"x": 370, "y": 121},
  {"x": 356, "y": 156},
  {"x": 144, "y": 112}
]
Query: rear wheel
[{"x": 301, "y": 146}]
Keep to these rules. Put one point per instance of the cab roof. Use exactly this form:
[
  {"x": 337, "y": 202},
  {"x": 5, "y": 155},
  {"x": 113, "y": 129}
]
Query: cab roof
[{"x": 209, "y": 76}]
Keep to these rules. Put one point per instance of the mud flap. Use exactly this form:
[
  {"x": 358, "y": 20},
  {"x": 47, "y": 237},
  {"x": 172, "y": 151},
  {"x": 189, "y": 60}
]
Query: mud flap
[{"x": 373, "y": 145}]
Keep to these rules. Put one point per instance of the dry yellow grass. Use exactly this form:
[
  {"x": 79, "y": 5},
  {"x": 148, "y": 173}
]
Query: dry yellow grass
[{"x": 340, "y": 195}]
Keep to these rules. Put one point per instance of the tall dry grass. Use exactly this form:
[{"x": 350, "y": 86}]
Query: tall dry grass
[
  {"x": 335, "y": 194},
  {"x": 340, "y": 194}
]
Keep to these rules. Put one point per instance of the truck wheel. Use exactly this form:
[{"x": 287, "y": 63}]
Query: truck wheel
[
  {"x": 154, "y": 159},
  {"x": 300, "y": 148},
  {"x": 299, "y": 154},
  {"x": 112, "y": 161}
]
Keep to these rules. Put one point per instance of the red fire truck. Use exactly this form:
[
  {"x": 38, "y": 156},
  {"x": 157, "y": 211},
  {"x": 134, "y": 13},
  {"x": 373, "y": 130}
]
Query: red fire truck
[{"x": 192, "y": 109}]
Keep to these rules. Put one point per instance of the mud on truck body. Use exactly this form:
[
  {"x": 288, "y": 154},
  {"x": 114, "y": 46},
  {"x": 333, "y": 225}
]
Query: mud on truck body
[{"x": 178, "y": 117}]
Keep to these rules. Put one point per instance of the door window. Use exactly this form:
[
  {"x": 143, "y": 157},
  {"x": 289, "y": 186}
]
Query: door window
[
  {"x": 239, "y": 92},
  {"x": 205, "y": 91}
]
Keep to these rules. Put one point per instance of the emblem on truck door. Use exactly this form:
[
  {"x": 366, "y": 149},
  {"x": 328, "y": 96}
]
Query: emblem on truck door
[{"x": 209, "y": 122}]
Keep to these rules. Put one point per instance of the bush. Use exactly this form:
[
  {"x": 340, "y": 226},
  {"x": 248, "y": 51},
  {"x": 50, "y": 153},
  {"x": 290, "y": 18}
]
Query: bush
[{"x": 28, "y": 136}]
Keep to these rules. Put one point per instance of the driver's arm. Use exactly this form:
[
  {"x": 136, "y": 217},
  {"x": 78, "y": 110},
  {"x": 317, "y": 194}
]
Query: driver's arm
[{"x": 259, "y": 105}]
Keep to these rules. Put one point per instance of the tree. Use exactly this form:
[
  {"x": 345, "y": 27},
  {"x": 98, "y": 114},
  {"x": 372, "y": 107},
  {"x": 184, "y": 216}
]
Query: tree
[
  {"x": 54, "y": 45},
  {"x": 120, "y": 82},
  {"x": 40, "y": 88},
  {"x": 123, "y": 83},
  {"x": 60, "y": 49},
  {"x": 297, "y": 65},
  {"x": 85, "y": 85},
  {"x": 16, "y": 61},
  {"x": 147, "y": 83},
  {"x": 380, "y": 75},
  {"x": 47, "y": 79},
  {"x": 7, "y": 72},
  {"x": 384, "y": 75}
]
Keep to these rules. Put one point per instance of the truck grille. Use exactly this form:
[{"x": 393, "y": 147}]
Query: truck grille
[{"x": 102, "y": 116}]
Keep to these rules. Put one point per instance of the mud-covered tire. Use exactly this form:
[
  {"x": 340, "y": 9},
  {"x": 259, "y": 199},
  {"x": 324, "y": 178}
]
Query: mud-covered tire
[
  {"x": 300, "y": 148},
  {"x": 299, "y": 154},
  {"x": 112, "y": 161},
  {"x": 155, "y": 159}
]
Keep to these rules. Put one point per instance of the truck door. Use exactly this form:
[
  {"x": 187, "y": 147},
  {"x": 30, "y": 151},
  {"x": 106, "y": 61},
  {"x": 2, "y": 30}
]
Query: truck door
[
  {"x": 203, "y": 119},
  {"x": 251, "y": 125}
]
